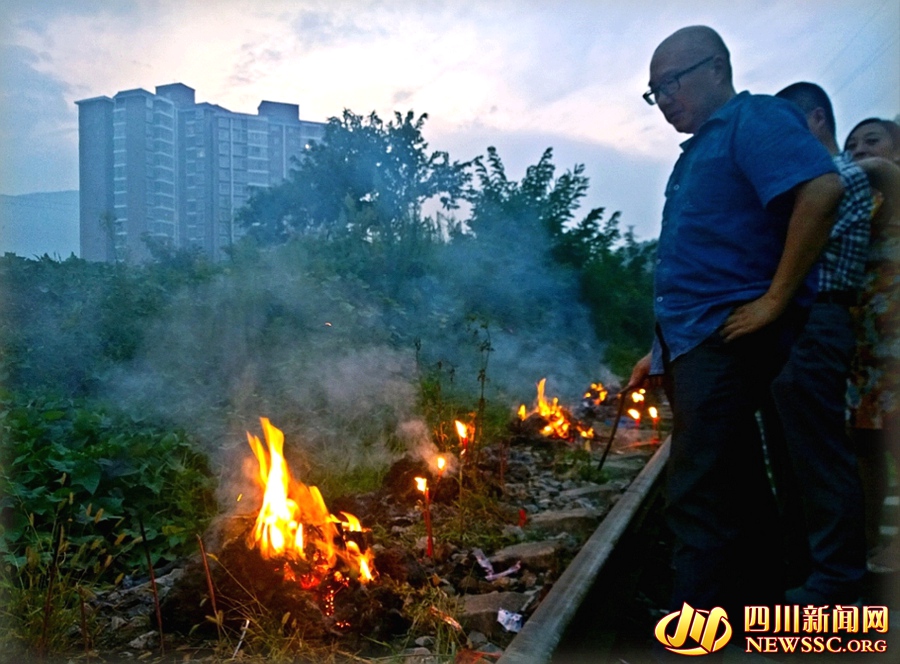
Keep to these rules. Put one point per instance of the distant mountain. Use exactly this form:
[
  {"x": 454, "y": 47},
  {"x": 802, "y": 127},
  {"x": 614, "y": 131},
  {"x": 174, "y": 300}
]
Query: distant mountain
[{"x": 42, "y": 223}]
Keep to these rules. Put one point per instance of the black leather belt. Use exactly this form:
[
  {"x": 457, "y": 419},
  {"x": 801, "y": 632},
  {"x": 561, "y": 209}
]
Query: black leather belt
[{"x": 846, "y": 298}]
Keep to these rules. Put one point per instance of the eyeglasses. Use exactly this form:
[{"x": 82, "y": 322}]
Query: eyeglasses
[{"x": 671, "y": 85}]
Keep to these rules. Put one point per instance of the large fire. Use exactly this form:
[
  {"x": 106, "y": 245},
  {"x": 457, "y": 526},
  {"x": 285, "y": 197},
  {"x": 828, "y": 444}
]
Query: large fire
[{"x": 295, "y": 526}]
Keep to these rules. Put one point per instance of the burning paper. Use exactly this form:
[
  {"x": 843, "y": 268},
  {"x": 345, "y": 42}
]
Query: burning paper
[
  {"x": 559, "y": 423},
  {"x": 295, "y": 526}
]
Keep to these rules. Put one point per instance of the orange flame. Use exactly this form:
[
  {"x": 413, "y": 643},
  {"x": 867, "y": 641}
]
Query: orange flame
[
  {"x": 441, "y": 462},
  {"x": 637, "y": 397},
  {"x": 597, "y": 393},
  {"x": 654, "y": 414},
  {"x": 289, "y": 507},
  {"x": 635, "y": 413},
  {"x": 558, "y": 423},
  {"x": 462, "y": 431},
  {"x": 422, "y": 484}
]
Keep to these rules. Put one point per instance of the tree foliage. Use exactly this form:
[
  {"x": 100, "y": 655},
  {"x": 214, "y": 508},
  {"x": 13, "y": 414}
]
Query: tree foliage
[
  {"x": 535, "y": 203},
  {"x": 360, "y": 194},
  {"x": 367, "y": 178},
  {"x": 614, "y": 270}
]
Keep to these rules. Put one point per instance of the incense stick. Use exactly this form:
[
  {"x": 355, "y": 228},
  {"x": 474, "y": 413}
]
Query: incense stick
[{"x": 615, "y": 428}]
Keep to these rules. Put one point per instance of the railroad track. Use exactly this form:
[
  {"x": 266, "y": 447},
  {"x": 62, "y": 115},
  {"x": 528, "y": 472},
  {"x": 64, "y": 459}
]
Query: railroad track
[
  {"x": 605, "y": 605},
  {"x": 570, "y": 600}
]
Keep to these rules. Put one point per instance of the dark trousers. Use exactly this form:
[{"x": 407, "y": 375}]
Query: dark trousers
[
  {"x": 821, "y": 484},
  {"x": 719, "y": 501}
]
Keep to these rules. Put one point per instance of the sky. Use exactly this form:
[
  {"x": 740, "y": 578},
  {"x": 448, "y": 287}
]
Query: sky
[{"x": 520, "y": 75}]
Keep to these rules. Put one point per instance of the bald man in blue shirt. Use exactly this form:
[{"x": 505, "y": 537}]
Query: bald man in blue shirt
[{"x": 749, "y": 206}]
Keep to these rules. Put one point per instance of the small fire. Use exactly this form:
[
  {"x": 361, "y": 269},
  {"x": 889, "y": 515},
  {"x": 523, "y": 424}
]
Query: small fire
[
  {"x": 422, "y": 485},
  {"x": 294, "y": 524},
  {"x": 463, "y": 432},
  {"x": 596, "y": 394},
  {"x": 636, "y": 414},
  {"x": 559, "y": 423},
  {"x": 654, "y": 416}
]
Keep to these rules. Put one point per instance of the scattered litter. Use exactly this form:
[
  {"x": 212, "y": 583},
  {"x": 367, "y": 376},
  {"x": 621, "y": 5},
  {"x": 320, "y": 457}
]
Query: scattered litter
[
  {"x": 511, "y": 622},
  {"x": 241, "y": 640},
  {"x": 483, "y": 561},
  {"x": 499, "y": 575},
  {"x": 447, "y": 618}
]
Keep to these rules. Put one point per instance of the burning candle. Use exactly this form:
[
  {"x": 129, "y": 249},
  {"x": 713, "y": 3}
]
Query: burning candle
[
  {"x": 422, "y": 485},
  {"x": 463, "y": 433},
  {"x": 441, "y": 464},
  {"x": 636, "y": 414},
  {"x": 654, "y": 415}
]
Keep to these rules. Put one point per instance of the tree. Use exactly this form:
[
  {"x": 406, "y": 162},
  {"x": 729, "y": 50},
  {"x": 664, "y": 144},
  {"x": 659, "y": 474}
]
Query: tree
[
  {"x": 367, "y": 178},
  {"x": 538, "y": 208},
  {"x": 536, "y": 217}
]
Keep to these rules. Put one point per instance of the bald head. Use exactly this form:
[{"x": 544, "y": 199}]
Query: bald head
[
  {"x": 690, "y": 75},
  {"x": 697, "y": 41}
]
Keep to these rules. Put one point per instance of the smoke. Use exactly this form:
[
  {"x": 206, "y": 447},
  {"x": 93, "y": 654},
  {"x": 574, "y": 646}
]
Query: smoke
[{"x": 337, "y": 363}]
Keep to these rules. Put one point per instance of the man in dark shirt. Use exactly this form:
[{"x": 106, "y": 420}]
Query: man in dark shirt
[{"x": 749, "y": 206}]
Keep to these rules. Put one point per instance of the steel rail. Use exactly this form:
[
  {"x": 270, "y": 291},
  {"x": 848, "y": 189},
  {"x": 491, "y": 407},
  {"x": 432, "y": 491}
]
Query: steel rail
[{"x": 542, "y": 632}]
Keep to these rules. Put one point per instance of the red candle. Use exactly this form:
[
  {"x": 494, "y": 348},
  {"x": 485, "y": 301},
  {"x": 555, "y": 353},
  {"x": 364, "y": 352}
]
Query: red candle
[
  {"x": 422, "y": 485},
  {"x": 463, "y": 433},
  {"x": 654, "y": 415},
  {"x": 636, "y": 414}
]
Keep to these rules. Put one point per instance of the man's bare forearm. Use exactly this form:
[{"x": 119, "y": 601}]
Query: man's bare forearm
[{"x": 809, "y": 227}]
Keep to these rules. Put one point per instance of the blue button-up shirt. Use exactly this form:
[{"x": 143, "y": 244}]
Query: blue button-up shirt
[{"x": 721, "y": 240}]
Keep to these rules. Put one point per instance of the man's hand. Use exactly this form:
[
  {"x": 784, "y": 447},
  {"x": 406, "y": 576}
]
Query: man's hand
[
  {"x": 750, "y": 317},
  {"x": 812, "y": 217},
  {"x": 639, "y": 374}
]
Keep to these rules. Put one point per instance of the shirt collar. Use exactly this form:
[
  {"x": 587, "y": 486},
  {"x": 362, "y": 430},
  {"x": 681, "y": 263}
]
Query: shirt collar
[{"x": 721, "y": 114}]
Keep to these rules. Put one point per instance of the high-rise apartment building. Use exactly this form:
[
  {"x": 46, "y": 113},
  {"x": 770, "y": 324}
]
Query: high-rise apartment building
[{"x": 162, "y": 168}]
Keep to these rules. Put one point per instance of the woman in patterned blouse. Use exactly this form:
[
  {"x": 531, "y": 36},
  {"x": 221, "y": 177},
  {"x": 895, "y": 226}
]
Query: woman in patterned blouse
[{"x": 875, "y": 375}]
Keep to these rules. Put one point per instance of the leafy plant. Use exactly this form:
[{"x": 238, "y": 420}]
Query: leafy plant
[{"x": 95, "y": 473}]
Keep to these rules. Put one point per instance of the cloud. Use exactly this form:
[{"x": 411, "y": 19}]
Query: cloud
[
  {"x": 38, "y": 131},
  {"x": 572, "y": 70},
  {"x": 322, "y": 27}
]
